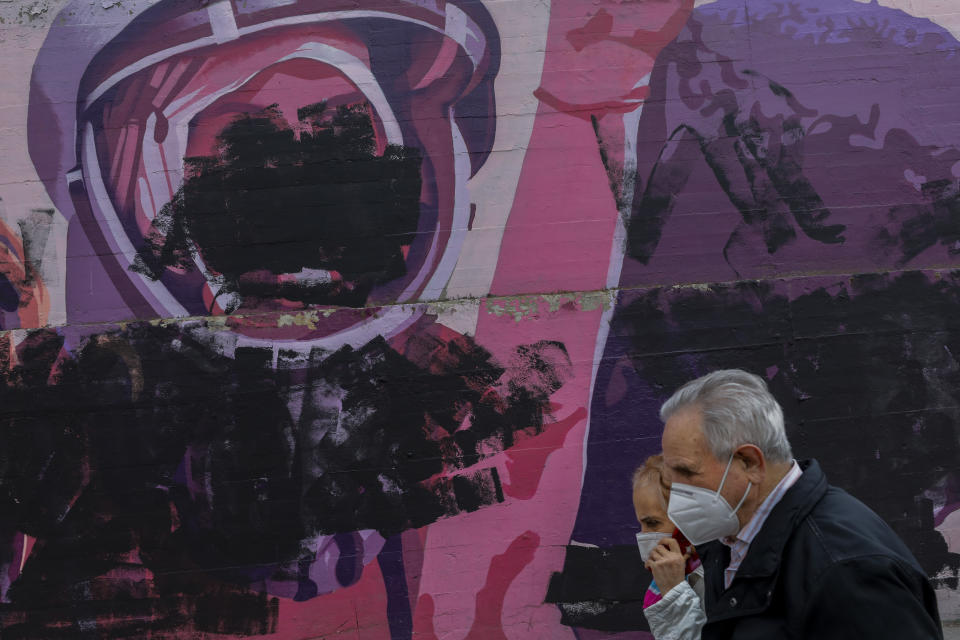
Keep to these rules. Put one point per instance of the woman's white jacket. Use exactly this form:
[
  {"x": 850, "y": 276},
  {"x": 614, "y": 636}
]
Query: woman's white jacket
[{"x": 679, "y": 615}]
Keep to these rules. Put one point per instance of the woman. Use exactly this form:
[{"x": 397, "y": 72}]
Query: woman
[{"x": 673, "y": 603}]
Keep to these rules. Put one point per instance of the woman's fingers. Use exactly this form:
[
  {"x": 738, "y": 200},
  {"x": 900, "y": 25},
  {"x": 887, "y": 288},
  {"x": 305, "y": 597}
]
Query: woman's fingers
[
  {"x": 671, "y": 544},
  {"x": 666, "y": 551},
  {"x": 659, "y": 553}
]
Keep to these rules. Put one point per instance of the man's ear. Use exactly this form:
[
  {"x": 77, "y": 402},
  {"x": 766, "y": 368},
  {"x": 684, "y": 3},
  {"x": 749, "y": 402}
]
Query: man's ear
[{"x": 753, "y": 463}]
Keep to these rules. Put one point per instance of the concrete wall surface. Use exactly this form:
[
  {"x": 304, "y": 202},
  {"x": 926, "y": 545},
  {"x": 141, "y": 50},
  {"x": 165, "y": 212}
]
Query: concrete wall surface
[{"x": 352, "y": 318}]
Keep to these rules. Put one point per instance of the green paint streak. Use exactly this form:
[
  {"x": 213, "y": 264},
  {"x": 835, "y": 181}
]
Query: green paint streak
[{"x": 520, "y": 307}]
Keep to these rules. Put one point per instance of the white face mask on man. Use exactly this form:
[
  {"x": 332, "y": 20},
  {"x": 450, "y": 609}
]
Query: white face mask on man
[{"x": 703, "y": 515}]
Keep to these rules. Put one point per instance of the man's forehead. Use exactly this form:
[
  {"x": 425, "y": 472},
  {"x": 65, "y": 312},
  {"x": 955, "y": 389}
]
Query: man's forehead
[
  {"x": 683, "y": 440},
  {"x": 684, "y": 428}
]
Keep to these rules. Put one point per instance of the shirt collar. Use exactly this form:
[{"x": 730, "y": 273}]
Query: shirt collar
[{"x": 749, "y": 531}]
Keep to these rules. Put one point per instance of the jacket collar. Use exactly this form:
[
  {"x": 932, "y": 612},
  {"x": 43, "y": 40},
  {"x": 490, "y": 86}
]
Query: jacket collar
[{"x": 763, "y": 557}]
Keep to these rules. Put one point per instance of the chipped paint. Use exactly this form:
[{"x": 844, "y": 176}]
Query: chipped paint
[
  {"x": 522, "y": 307},
  {"x": 309, "y": 318}
]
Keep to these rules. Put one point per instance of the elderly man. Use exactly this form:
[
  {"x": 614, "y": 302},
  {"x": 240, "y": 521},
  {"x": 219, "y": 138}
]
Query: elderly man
[{"x": 793, "y": 557}]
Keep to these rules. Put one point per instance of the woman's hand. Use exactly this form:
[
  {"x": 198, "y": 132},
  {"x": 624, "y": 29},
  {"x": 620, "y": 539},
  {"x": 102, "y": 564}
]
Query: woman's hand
[{"x": 667, "y": 564}]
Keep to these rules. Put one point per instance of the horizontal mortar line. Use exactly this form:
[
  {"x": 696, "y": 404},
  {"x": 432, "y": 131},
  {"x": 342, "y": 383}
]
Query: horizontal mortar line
[
  {"x": 786, "y": 340},
  {"x": 442, "y": 303},
  {"x": 881, "y": 414},
  {"x": 682, "y": 352},
  {"x": 790, "y": 275}
]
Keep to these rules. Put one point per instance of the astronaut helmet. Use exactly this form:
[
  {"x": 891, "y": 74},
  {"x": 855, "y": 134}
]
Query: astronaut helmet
[{"x": 301, "y": 154}]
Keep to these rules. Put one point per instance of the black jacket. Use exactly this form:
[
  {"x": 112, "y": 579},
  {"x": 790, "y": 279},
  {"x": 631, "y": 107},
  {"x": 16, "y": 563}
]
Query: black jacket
[{"x": 822, "y": 566}]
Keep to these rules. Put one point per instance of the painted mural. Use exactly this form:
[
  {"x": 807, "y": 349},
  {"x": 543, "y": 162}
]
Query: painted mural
[{"x": 343, "y": 318}]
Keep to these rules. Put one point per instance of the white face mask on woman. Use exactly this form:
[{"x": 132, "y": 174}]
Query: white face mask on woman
[
  {"x": 703, "y": 515},
  {"x": 648, "y": 541}
]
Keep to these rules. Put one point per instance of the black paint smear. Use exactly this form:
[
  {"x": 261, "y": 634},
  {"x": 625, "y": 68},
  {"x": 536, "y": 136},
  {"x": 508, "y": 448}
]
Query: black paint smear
[
  {"x": 758, "y": 162},
  {"x": 917, "y": 227},
  {"x": 601, "y": 588},
  {"x": 779, "y": 174},
  {"x": 666, "y": 182},
  {"x": 274, "y": 201},
  {"x": 865, "y": 369},
  {"x": 399, "y": 424},
  {"x": 164, "y": 481},
  {"x": 615, "y": 175},
  {"x": 37, "y": 354},
  {"x": 866, "y": 373}
]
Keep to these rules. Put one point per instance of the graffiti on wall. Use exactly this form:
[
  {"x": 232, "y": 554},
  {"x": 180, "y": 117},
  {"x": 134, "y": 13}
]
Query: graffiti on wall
[{"x": 370, "y": 305}]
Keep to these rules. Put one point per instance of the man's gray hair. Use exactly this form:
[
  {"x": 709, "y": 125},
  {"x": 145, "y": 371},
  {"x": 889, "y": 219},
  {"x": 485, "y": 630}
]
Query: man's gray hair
[{"x": 737, "y": 409}]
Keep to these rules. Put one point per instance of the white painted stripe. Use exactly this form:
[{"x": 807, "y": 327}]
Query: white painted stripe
[
  {"x": 165, "y": 54},
  {"x": 222, "y": 21},
  {"x": 153, "y": 166},
  {"x": 360, "y": 75},
  {"x": 461, "y": 216},
  {"x": 142, "y": 64},
  {"x": 146, "y": 200}
]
